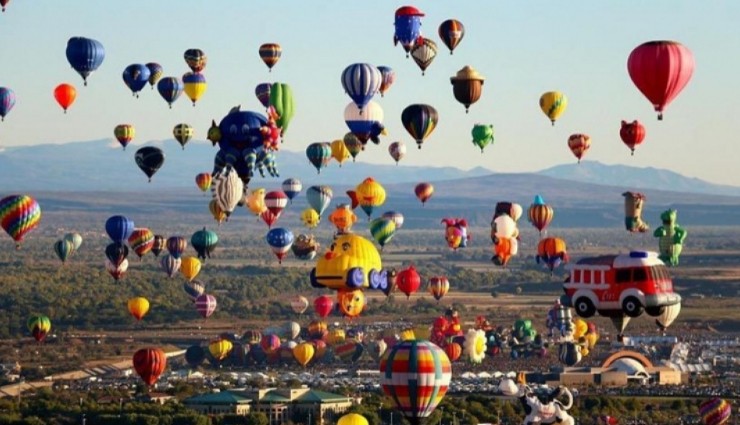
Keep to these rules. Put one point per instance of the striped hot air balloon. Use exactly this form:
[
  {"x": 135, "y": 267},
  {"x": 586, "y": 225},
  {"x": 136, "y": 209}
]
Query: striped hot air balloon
[
  {"x": 63, "y": 249},
  {"x": 715, "y": 411},
  {"x": 319, "y": 154},
  {"x": 424, "y": 53},
  {"x": 205, "y": 304},
  {"x": 39, "y": 326},
  {"x": 270, "y": 54},
  {"x": 292, "y": 187},
  {"x": 361, "y": 81},
  {"x": 540, "y": 214},
  {"x": 160, "y": 243},
  {"x": 141, "y": 241},
  {"x": 196, "y": 59},
  {"x": 419, "y": 120},
  {"x": 194, "y": 288},
  {"x": 382, "y": 229},
  {"x": 299, "y": 304},
  {"x": 438, "y": 287},
  {"x": 124, "y": 133},
  {"x": 170, "y": 265},
  {"x": 451, "y": 32},
  {"x": 415, "y": 375},
  {"x": 19, "y": 214},
  {"x": 149, "y": 363},
  {"x": 227, "y": 189},
  {"x": 319, "y": 198},
  {"x": 280, "y": 241},
  {"x": 424, "y": 191},
  {"x": 388, "y": 77}
]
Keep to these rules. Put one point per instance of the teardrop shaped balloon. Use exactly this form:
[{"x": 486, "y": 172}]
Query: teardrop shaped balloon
[
  {"x": 124, "y": 134},
  {"x": 424, "y": 191},
  {"x": 190, "y": 267},
  {"x": 19, "y": 214},
  {"x": 388, "y": 77},
  {"x": 553, "y": 104},
  {"x": 149, "y": 363},
  {"x": 579, "y": 144},
  {"x": 141, "y": 241},
  {"x": 451, "y": 32},
  {"x": 155, "y": 73},
  {"x": 194, "y": 85},
  {"x": 270, "y": 54},
  {"x": 205, "y": 305},
  {"x": 7, "y": 101},
  {"x": 196, "y": 59},
  {"x": 170, "y": 88},
  {"x": 136, "y": 76},
  {"x": 397, "y": 150},
  {"x": 632, "y": 134},
  {"x": 149, "y": 159},
  {"x": 420, "y": 120},
  {"x": 65, "y": 95},
  {"x": 292, "y": 187},
  {"x": 203, "y": 181},
  {"x": 262, "y": 91},
  {"x": 85, "y": 55},
  {"x": 138, "y": 307},
  {"x": 63, "y": 249},
  {"x": 423, "y": 53}
]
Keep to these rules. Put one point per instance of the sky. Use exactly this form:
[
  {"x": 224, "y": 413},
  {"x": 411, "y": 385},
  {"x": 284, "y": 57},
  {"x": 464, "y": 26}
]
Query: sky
[{"x": 522, "y": 48}]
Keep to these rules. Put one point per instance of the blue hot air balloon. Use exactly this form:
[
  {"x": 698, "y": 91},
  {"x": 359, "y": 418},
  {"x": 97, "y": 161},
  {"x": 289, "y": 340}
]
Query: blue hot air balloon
[
  {"x": 366, "y": 124},
  {"x": 408, "y": 27},
  {"x": 361, "y": 81},
  {"x": 292, "y": 187},
  {"x": 119, "y": 228},
  {"x": 170, "y": 88},
  {"x": 7, "y": 101},
  {"x": 280, "y": 240},
  {"x": 262, "y": 91},
  {"x": 85, "y": 55},
  {"x": 136, "y": 76}
]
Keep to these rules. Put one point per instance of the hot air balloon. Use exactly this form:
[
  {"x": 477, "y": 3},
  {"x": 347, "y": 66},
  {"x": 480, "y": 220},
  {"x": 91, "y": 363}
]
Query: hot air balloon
[
  {"x": 553, "y": 104},
  {"x": 408, "y": 281},
  {"x": 124, "y": 134},
  {"x": 370, "y": 194},
  {"x": 632, "y": 134},
  {"x": 39, "y": 326},
  {"x": 183, "y": 133},
  {"x": 190, "y": 267},
  {"x": 281, "y": 98},
  {"x": 482, "y": 135},
  {"x": 323, "y": 305},
  {"x": 136, "y": 76},
  {"x": 540, "y": 214},
  {"x": 407, "y": 25},
  {"x": 276, "y": 201},
  {"x": 396, "y": 216},
  {"x": 451, "y": 32},
  {"x": 339, "y": 151},
  {"x": 343, "y": 218},
  {"x": 205, "y": 304},
  {"x": 415, "y": 375},
  {"x": 19, "y": 214},
  {"x": 270, "y": 54},
  {"x": 280, "y": 240},
  {"x": 310, "y": 218},
  {"x": 65, "y": 95},
  {"x": 196, "y": 59},
  {"x": 361, "y": 81},
  {"x": 319, "y": 154},
  {"x": 75, "y": 238},
  {"x": 424, "y": 52},
  {"x": 7, "y": 101},
  {"x": 149, "y": 363},
  {"x": 138, "y": 307},
  {"x": 666, "y": 318},
  {"x": 715, "y": 411},
  {"x": 299, "y": 304},
  {"x": 420, "y": 121},
  {"x": 270, "y": 343},
  {"x": 220, "y": 348},
  {"x": 85, "y": 55},
  {"x": 439, "y": 286},
  {"x": 116, "y": 253},
  {"x": 377, "y": 349},
  {"x": 388, "y": 77},
  {"x": 579, "y": 144},
  {"x": 424, "y": 191},
  {"x": 170, "y": 265},
  {"x": 352, "y": 419},
  {"x": 4, "y": 3},
  {"x": 467, "y": 86},
  {"x": 194, "y": 355},
  {"x": 353, "y": 144},
  {"x": 303, "y": 353},
  {"x": 194, "y": 85},
  {"x": 397, "y": 151},
  {"x": 176, "y": 245},
  {"x": 453, "y": 351},
  {"x": 366, "y": 124},
  {"x": 63, "y": 249},
  {"x": 262, "y": 91},
  {"x": 351, "y": 302},
  {"x": 305, "y": 247},
  {"x": 227, "y": 189},
  {"x": 160, "y": 243},
  {"x": 170, "y": 88},
  {"x": 551, "y": 252},
  {"x": 382, "y": 229},
  {"x": 119, "y": 228},
  {"x": 116, "y": 271},
  {"x": 149, "y": 159},
  {"x": 319, "y": 198},
  {"x": 204, "y": 241},
  {"x": 203, "y": 181},
  {"x": 660, "y": 70},
  {"x": 456, "y": 232},
  {"x": 292, "y": 187},
  {"x": 155, "y": 73},
  {"x": 194, "y": 288}
]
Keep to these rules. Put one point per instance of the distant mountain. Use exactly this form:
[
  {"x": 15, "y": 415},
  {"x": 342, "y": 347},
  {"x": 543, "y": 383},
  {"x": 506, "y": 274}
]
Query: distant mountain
[
  {"x": 103, "y": 165},
  {"x": 636, "y": 178}
]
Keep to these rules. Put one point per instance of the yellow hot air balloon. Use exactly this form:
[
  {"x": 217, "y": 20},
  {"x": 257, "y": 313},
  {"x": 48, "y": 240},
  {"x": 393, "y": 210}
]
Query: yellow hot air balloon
[
  {"x": 407, "y": 335},
  {"x": 553, "y": 104},
  {"x": 335, "y": 337},
  {"x": 370, "y": 194},
  {"x": 138, "y": 307},
  {"x": 220, "y": 348},
  {"x": 303, "y": 353},
  {"x": 190, "y": 267},
  {"x": 352, "y": 419},
  {"x": 339, "y": 151},
  {"x": 310, "y": 218},
  {"x": 256, "y": 201},
  {"x": 194, "y": 85},
  {"x": 218, "y": 214}
]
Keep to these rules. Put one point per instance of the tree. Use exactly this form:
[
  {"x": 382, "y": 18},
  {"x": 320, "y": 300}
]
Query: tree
[{"x": 256, "y": 418}]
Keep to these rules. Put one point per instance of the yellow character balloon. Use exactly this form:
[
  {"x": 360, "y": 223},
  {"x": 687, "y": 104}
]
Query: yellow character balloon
[
  {"x": 310, "y": 218},
  {"x": 553, "y": 104},
  {"x": 351, "y": 301},
  {"x": 256, "y": 201},
  {"x": 351, "y": 262}
]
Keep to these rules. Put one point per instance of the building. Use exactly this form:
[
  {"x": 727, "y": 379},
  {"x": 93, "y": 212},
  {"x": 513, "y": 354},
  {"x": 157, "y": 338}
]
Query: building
[{"x": 280, "y": 405}]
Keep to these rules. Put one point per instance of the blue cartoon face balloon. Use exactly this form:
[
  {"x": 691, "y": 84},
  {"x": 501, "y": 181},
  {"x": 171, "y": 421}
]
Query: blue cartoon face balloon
[{"x": 241, "y": 130}]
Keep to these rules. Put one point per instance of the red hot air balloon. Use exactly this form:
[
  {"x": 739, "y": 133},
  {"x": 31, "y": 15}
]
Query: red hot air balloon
[
  {"x": 632, "y": 134},
  {"x": 408, "y": 281},
  {"x": 323, "y": 305},
  {"x": 149, "y": 363},
  {"x": 579, "y": 144},
  {"x": 276, "y": 201},
  {"x": 424, "y": 191},
  {"x": 65, "y": 95},
  {"x": 660, "y": 70},
  {"x": 453, "y": 351}
]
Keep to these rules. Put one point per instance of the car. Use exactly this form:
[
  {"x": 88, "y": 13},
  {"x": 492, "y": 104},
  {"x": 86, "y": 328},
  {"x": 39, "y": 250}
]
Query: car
[{"x": 629, "y": 283}]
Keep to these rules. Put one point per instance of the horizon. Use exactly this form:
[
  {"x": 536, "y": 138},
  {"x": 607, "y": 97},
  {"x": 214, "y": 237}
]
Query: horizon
[{"x": 586, "y": 61}]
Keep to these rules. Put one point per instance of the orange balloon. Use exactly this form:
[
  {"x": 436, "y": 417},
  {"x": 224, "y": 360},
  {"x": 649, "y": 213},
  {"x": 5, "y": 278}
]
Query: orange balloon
[{"x": 65, "y": 95}]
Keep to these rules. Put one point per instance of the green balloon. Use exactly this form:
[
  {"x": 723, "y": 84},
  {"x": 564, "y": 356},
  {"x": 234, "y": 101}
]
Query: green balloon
[
  {"x": 281, "y": 98},
  {"x": 482, "y": 135}
]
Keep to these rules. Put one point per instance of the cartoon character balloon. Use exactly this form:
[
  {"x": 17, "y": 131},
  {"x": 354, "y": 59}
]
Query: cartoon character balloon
[
  {"x": 456, "y": 232},
  {"x": 482, "y": 135},
  {"x": 551, "y": 252},
  {"x": 632, "y": 134},
  {"x": 351, "y": 262},
  {"x": 467, "y": 86},
  {"x": 407, "y": 27},
  {"x": 633, "y": 205},
  {"x": 671, "y": 237}
]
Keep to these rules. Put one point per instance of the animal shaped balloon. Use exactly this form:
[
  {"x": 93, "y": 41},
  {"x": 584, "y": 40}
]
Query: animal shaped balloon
[
  {"x": 632, "y": 134},
  {"x": 456, "y": 232},
  {"x": 482, "y": 135},
  {"x": 467, "y": 86},
  {"x": 670, "y": 237}
]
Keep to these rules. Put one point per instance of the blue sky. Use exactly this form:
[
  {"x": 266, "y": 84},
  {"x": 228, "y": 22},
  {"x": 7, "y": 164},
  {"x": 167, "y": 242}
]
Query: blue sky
[{"x": 522, "y": 48}]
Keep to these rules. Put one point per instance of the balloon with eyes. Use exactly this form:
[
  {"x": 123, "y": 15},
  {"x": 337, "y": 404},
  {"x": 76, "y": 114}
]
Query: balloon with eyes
[
  {"x": 246, "y": 141},
  {"x": 540, "y": 407}
]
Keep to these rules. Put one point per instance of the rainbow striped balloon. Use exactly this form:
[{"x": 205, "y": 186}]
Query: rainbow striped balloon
[
  {"x": 415, "y": 374},
  {"x": 19, "y": 214},
  {"x": 715, "y": 411}
]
